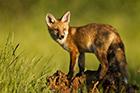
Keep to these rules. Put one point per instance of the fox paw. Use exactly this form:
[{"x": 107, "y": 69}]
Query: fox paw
[
  {"x": 70, "y": 75},
  {"x": 79, "y": 74}
]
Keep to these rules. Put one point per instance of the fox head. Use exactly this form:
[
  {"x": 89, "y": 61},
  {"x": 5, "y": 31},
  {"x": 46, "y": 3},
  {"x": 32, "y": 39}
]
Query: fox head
[{"x": 58, "y": 28}]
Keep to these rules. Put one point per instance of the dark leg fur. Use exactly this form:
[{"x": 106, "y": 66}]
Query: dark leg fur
[{"x": 81, "y": 64}]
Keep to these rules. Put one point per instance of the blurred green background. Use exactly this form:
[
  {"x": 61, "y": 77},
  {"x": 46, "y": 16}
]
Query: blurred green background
[{"x": 26, "y": 19}]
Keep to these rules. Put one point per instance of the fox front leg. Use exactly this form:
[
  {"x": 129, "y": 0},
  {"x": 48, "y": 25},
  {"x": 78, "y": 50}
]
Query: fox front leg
[
  {"x": 81, "y": 64},
  {"x": 73, "y": 59}
]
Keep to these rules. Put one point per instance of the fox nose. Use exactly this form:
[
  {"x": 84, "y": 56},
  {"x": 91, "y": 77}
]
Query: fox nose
[{"x": 62, "y": 36}]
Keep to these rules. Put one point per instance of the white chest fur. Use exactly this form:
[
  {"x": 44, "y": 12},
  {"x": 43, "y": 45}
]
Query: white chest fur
[{"x": 63, "y": 42}]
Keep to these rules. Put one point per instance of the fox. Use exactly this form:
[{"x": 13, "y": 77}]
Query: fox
[{"x": 103, "y": 40}]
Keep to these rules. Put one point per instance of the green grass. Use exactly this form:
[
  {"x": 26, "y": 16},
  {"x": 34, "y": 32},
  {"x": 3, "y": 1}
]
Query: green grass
[{"x": 20, "y": 73}]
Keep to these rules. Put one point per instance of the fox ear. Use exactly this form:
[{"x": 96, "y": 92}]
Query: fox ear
[
  {"x": 50, "y": 19},
  {"x": 66, "y": 17}
]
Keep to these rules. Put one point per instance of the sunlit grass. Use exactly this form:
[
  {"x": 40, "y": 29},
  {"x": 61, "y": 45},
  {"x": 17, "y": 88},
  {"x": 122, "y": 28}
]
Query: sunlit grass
[{"x": 20, "y": 73}]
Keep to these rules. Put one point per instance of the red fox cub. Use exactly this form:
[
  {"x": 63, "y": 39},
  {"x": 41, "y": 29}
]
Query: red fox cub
[{"x": 100, "y": 39}]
